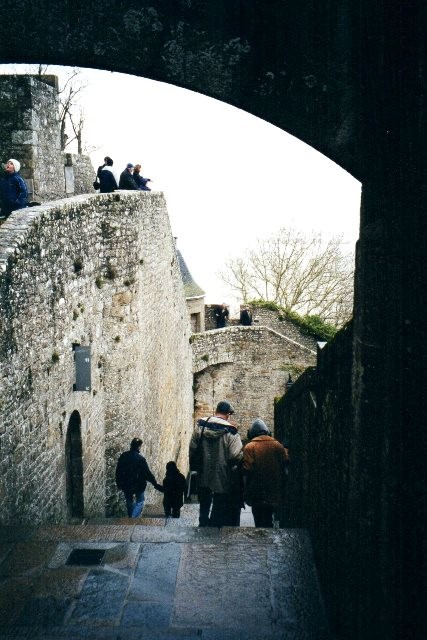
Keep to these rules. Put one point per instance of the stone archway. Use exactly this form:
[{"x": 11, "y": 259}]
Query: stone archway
[
  {"x": 74, "y": 467},
  {"x": 349, "y": 79}
]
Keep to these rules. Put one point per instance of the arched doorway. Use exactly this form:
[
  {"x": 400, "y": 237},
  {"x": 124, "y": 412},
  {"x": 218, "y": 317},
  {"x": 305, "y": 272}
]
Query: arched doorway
[{"x": 74, "y": 467}]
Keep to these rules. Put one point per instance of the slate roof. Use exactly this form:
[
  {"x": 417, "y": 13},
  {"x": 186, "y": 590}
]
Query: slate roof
[{"x": 191, "y": 288}]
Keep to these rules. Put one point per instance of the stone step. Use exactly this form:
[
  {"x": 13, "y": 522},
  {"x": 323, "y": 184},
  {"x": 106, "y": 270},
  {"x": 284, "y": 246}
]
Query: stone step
[{"x": 164, "y": 581}]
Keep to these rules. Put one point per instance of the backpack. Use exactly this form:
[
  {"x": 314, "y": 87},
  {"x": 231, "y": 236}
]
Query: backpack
[{"x": 196, "y": 456}]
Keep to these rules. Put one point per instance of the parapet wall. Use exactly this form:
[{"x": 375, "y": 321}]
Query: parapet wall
[
  {"x": 314, "y": 418},
  {"x": 98, "y": 271}
]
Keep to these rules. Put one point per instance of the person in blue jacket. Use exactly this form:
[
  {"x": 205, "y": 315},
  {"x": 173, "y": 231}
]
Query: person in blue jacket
[
  {"x": 139, "y": 179},
  {"x": 13, "y": 190},
  {"x": 132, "y": 474}
]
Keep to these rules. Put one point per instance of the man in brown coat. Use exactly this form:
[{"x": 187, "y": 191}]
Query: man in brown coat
[{"x": 265, "y": 462}]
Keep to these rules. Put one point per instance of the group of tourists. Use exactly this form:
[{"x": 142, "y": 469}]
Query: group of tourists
[
  {"x": 130, "y": 178},
  {"x": 14, "y": 192},
  {"x": 222, "y": 314},
  {"x": 228, "y": 474}
]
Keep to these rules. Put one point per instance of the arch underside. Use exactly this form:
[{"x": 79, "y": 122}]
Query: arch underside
[{"x": 268, "y": 58}]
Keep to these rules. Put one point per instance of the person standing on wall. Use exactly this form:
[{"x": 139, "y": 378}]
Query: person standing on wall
[
  {"x": 106, "y": 177},
  {"x": 132, "y": 474},
  {"x": 218, "y": 440},
  {"x": 265, "y": 463},
  {"x": 221, "y": 315},
  {"x": 126, "y": 179},
  {"x": 245, "y": 317},
  {"x": 13, "y": 190}
]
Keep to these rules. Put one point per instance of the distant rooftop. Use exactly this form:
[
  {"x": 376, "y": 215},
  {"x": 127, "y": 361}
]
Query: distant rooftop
[{"x": 191, "y": 288}]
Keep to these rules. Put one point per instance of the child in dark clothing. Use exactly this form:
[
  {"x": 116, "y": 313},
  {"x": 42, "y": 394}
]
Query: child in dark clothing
[{"x": 174, "y": 489}]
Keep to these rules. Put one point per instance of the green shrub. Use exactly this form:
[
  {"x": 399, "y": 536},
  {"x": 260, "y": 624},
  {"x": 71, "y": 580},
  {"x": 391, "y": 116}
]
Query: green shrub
[{"x": 309, "y": 325}]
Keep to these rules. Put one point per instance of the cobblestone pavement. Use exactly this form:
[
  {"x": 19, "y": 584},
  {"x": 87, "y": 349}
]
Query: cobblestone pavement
[{"x": 159, "y": 580}]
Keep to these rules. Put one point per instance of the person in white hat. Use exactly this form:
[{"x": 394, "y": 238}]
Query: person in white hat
[{"x": 13, "y": 190}]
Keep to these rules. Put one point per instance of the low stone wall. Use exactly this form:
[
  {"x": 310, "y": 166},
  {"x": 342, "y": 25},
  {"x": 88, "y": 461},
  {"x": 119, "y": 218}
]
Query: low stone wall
[
  {"x": 98, "y": 271},
  {"x": 249, "y": 366},
  {"x": 83, "y": 173},
  {"x": 274, "y": 320},
  {"x": 314, "y": 420}
]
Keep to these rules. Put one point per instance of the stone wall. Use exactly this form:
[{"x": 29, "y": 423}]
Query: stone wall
[
  {"x": 314, "y": 418},
  {"x": 210, "y": 319},
  {"x": 31, "y": 134},
  {"x": 98, "y": 271},
  {"x": 266, "y": 318},
  {"x": 274, "y": 320},
  {"x": 249, "y": 366},
  {"x": 30, "y": 131},
  {"x": 83, "y": 173},
  {"x": 196, "y": 311}
]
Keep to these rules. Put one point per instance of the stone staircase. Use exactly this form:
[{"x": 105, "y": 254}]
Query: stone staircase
[{"x": 157, "y": 579}]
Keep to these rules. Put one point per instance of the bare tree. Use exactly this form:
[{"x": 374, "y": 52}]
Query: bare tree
[
  {"x": 303, "y": 273},
  {"x": 77, "y": 123},
  {"x": 42, "y": 69},
  {"x": 71, "y": 116},
  {"x": 69, "y": 110}
]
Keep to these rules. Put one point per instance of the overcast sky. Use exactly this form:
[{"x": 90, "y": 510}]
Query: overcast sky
[{"x": 228, "y": 177}]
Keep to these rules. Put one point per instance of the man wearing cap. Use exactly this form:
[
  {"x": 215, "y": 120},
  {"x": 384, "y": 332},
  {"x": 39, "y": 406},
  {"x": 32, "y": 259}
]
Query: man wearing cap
[
  {"x": 265, "y": 463},
  {"x": 13, "y": 190},
  {"x": 126, "y": 179},
  {"x": 221, "y": 448}
]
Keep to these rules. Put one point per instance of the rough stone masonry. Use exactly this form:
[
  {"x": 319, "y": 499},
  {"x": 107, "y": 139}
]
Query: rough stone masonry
[{"x": 97, "y": 271}]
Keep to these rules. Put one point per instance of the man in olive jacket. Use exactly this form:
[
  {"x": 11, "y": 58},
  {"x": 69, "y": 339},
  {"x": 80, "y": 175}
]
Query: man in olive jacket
[
  {"x": 222, "y": 448},
  {"x": 132, "y": 473}
]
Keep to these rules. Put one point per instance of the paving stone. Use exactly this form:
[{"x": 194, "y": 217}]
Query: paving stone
[
  {"x": 152, "y": 522},
  {"x": 298, "y": 605},
  {"x": 108, "y": 633},
  {"x": 46, "y": 612},
  {"x": 14, "y": 592},
  {"x": 5, "y": 549},
  {"x": 216, "y": 588},
  {"x": 101, "y": 598},
  {"x": 175, "y": 581},
  {"x": 155, "y": 575},
  {"x": 23, "y": 633},
  {"x": 26, "y": 557},
  {"x": 16, "y": 533},
  {"x": 174, "y": 534},
  {"x": 66, "y": 581},
  {"x": 147, "y": 614},
  {"x": 233, "y": 634},
  {"x": 249, "y": 535},
  {"x": 120, "y": 533}
]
